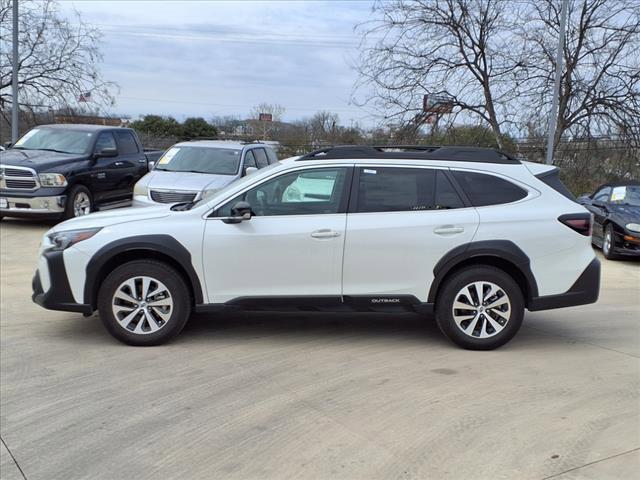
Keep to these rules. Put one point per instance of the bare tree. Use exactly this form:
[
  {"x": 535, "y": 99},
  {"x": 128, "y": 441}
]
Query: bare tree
[
  {"x": 460, "y": 48},
  {"x": 600, "y": 84},
  {"x": 262, "y": 126},
  {"x": 275, "y": 110},
  {"x": 58, "y": 58}
]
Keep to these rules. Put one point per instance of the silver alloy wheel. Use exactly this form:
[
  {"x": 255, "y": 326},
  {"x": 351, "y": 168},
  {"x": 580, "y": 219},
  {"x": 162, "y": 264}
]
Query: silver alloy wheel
[
  {"x": 606, "y": 245},
  {"x": 142, "y": 305},
  {"x": 481, "y": 309},
  {"x": 81, "y": 204}
]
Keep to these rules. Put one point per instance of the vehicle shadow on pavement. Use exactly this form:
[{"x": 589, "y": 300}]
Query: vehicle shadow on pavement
[
  {"x": 358, "y": 327},
  {"x": 312, "y": 324},
  {"x": 29, "y": 223}
]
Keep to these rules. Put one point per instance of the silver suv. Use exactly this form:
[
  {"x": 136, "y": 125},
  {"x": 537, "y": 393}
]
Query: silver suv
[{"x": 196, "y": 170}]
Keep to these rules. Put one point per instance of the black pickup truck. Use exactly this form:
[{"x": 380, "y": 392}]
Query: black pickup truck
[{"x": 69, "y": 170}]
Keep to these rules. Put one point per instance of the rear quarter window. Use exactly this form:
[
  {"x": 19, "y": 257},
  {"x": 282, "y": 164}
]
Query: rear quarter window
[
  {"x": 484, "y": 190},
  {"x": 552, "y": 179}
]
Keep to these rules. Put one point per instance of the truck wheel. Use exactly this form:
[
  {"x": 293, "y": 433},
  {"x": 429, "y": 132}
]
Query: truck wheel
[
  {"x": 79, "y": 202},
  {"x": 144, "y": 302},
  {"x": 480, "y": 308}
]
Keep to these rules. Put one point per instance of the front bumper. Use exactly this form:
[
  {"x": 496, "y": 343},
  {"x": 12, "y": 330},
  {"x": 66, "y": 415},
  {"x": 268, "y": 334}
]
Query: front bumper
[
  {"x": 58, "y": 295},
  {"x": 23, "y": 206},
  {"x": 627, "y": 244},
  {"x": 585, "y": 290}
]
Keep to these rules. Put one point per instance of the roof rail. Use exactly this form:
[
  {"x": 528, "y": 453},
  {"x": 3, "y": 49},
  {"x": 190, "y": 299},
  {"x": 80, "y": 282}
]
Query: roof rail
[{"x": 412, "y": 152}]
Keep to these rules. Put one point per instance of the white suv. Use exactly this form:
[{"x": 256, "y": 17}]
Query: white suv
[{"x": 471, "y": 235}]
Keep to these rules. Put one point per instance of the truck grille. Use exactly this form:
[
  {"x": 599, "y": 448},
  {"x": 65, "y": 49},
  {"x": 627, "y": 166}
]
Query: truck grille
[
  {"x": 17, "y": 178},
  {"x": 172, "y": 197}
]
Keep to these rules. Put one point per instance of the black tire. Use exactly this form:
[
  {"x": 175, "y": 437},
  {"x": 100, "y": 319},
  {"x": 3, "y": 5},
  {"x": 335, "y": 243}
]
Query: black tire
[
  {"x": 160, "y": 272},
  {"x": 608, "y": 251},
  {"x": 450, "y": 291},
  {"x": 69, "y": 211}
]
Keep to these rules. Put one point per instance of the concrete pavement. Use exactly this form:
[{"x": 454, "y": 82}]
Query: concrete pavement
[{"x": 315, "y": 396}]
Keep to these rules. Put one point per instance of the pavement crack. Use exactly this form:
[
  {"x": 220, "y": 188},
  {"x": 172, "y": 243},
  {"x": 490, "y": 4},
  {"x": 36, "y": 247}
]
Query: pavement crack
[
  {"x": 591, "y": 463},
  {"x": 13, "y": 458}
]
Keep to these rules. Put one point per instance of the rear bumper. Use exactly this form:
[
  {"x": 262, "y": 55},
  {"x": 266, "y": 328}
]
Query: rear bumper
[
  {"x": 58, "y": 296},
  {"x": 585, "y": 290}
]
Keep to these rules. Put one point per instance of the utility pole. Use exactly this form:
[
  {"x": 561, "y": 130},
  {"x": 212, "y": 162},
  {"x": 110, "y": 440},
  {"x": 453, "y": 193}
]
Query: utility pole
[
  {"x": 14, "y": 77},
  {"x": 553, "y": 115}
]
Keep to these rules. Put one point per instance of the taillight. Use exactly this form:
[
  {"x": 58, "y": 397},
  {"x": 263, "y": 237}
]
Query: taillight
[{"x": 580, "y": 222}]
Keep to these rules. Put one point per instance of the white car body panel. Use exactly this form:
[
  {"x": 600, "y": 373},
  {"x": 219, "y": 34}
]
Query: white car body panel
[
  {"x": 395, "y": 252},
  {"x": 273, "y": 256}
]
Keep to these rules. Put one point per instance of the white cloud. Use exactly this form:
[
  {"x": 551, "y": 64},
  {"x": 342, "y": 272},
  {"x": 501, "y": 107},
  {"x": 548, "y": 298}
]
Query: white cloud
[{"x": 204, "y": 58}]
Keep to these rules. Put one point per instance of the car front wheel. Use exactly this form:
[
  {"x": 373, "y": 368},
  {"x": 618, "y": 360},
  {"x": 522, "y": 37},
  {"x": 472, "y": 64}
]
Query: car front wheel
[
  {"x": 480, "y": 308},
  {"x": 608, "y": 243},
  {"x": 144, "y": 302}
]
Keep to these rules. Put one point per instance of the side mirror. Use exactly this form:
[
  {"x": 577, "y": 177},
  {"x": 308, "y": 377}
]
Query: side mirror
[
  {"x": 239, "y": 212},
  {"x": 151, "y": 165},
  {"x": 7, "y": 144},
  {"x": 106, "y": 153},
  {"x": 250, "y": 170}
]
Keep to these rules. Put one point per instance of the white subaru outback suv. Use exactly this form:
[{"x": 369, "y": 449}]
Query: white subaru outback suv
[{"x": 471, "y": 235}]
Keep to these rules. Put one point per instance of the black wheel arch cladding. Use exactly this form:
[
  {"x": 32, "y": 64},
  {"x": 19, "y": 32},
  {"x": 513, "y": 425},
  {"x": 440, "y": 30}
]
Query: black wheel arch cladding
[
  {"x": 164, "y": 245},
  {"x": 500, "y": 251}
]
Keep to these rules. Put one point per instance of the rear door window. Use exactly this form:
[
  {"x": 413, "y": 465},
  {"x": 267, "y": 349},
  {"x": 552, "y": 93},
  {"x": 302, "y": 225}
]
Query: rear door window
[
  {"x": 273, "y": 158},
  {"x": 391, "y": 189},
  {"x": 446, "y": 195},
  {"x": 484, "y": 190},
  {"x": 126, "y": 143},
  {"x": 261, "y": 157}
]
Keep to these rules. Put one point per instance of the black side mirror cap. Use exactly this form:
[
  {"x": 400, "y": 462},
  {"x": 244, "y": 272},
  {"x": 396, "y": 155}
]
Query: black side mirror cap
[{"x": 239, "y": 212}]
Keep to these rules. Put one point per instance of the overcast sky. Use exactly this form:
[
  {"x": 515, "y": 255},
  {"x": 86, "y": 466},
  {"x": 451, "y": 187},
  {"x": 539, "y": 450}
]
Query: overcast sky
[{"x": 205, "y": 58}]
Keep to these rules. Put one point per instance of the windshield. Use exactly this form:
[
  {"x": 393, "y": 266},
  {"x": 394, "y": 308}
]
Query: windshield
[
  {"x": 56, "y": 140},
  {"x": 218, "y": 161},
  {"x": 626, "y": 196}
]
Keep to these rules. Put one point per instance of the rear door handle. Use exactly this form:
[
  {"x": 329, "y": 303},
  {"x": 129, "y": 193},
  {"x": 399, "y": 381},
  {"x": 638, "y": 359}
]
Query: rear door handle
[
  {"x": 447, "y": 230},
  {"x": 325, "y": 233}
]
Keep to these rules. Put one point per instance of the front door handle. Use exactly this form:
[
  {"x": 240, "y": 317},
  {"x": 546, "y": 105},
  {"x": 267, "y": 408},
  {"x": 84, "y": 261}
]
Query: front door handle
[
  {"x": 119, "y": 164},
  {"x": 325, "y": 233},
  {"x": 448, "y": 230}
]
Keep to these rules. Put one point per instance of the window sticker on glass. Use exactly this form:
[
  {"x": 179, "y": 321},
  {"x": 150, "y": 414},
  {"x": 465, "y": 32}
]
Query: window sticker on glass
[
  {"x": 27, "y": 136},
  {"x": 169, "y": 154},
  {"x": 372, "y": 172},
  {"x": 618, "y": 194}
]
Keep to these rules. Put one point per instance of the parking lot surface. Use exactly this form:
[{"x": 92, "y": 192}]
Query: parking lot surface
[{"x": 314, "y": 396}]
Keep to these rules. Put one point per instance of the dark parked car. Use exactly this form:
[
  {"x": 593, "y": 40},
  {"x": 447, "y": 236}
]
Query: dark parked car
[
  {"x": 65, "y": 171},
  {"x": 616, "y": 212}
]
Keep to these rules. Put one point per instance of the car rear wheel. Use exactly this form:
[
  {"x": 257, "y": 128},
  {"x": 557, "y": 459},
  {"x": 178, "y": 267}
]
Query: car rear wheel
[
  {"x": 480, "y": 308},
  {"x": 144, "y": 302},
  {"x": 608, "y": 243}
]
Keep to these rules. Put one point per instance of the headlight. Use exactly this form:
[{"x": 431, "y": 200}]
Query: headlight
[
  {"x": 207, "y": 194},
  {"x": 634, "y": 227},
  {"x": 52, "y": 180},
  {"x": 63, "y": 240},
  {"x": 140, "y": 189}
]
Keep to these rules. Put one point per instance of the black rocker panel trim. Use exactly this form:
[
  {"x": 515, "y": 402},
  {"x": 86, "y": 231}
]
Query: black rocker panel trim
[
  {"x": 323, "y": 303},
  {"x": 585, "y": 290},
  {"x": 163, "y": 244},
  {"x": 501, "y": 250}
]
